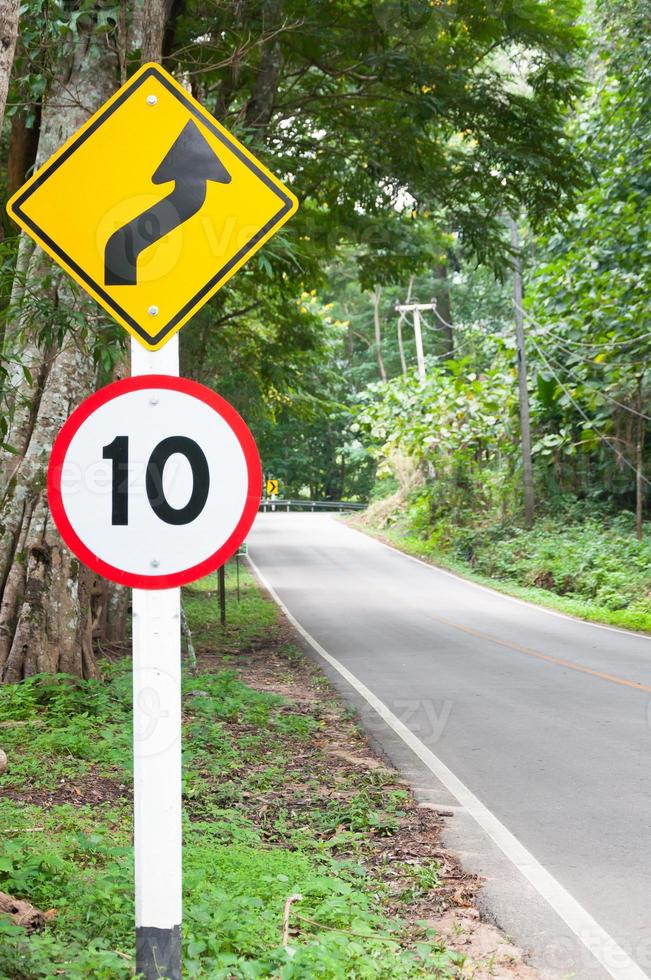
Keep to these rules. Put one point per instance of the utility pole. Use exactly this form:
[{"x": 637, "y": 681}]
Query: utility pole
[
  {"x": 417, "y": 309},
  {"x": 639, "y": 460},
  {"x": 401, "y": 348},
  {"x": 525, "y": 429}
]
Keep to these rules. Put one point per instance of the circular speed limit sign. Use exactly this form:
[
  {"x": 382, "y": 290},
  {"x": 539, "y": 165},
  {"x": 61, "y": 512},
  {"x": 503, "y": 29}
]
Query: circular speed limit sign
[{"x": 154, "y": 481}]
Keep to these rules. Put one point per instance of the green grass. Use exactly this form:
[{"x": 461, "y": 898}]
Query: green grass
[
  {"x": 590, "y": 568},
  {"x": 240, "y": 866}
]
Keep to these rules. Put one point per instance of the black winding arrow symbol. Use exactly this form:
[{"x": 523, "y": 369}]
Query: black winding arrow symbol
[{"x": 191, "y": 163}]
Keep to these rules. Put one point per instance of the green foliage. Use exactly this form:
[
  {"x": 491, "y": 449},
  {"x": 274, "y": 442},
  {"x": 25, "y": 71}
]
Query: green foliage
[
  {"x": 588, "y": 335},
  {"x": 64, "y": 715},
  {"x": 595, "y": 560},
  {"x": 248, "y": 619},
  {"x": 308, "y": 443},
  {"x": 448, "y": 418},
  {"x": 441, "y": 116},
  {"x": 459, "y": 427}
]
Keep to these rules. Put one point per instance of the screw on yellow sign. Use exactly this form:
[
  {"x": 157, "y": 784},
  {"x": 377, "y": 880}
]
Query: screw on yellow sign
[
  {"x": 152, "y": 206},
  {"x": 272, "y": 488}
]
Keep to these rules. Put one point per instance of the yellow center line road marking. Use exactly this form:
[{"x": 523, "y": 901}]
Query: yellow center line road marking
[{"x": 558, "y": 661}]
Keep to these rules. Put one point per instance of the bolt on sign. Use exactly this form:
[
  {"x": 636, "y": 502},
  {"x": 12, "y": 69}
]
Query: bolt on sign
[{"x": 152, "y": 206}]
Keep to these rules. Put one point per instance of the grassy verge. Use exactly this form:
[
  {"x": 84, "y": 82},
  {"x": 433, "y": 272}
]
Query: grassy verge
[
  {"x": 612, "y": 569},
  {"x": 269, "y": 812}
]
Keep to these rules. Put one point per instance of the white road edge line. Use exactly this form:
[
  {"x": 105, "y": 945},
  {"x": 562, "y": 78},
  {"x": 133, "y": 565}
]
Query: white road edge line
[
  {"x": 487, "y": 588},
  {"x": 615, "y": 961}
]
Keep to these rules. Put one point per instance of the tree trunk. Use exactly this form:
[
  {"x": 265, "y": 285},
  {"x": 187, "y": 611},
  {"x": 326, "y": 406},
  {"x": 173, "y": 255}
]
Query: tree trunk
[
  {"x": 45, "y": 613},
  {"x": 444, "y": 310},
  {"x": 117, "y": 611},
  {"x": 523, "y": 389},
  {"x": 378, "y": 332},
  {"x": 23, "y": 146},
  {"x": 9, "y": 10},
  {"x": 22, "y": 913},
  {"x": 639, "y": 462},
  {"x": 261, "y": 103},
  {"x": 45, "y": 607},
  {"x": 46, "y": 619},
  {"x": 153, "y": 15}
]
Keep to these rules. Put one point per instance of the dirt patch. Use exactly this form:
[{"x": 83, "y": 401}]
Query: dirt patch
[
  {"x": 494, "y": 957},
  {"x": 545, "y": 580},
  {"x": 90, "y": 788}
]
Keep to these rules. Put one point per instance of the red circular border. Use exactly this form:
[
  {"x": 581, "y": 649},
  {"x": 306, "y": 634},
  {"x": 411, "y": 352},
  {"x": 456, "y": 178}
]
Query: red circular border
[{"x": 72, "y": 426}]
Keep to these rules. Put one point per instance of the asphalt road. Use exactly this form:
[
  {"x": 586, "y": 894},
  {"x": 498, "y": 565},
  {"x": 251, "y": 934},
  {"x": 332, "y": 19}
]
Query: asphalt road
[{"x": 545, "y": 719}]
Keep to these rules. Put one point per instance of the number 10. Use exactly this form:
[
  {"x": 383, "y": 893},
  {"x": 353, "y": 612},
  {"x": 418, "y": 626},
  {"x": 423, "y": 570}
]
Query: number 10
[{"x": 118, "y": 452}]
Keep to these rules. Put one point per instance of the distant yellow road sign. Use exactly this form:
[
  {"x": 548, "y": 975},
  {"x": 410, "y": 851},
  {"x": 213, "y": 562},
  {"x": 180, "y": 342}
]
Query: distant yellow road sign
[
  {"x": 273, "y": 486},
  {"x": 152, "y": 206}
]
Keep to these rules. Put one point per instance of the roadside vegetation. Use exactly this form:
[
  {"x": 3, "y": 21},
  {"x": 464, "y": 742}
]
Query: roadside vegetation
[{"x": 282, "y": 797}]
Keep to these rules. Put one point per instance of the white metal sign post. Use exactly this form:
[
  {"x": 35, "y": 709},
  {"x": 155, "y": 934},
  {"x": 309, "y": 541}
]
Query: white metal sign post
[{"x": 157, "y": 795}]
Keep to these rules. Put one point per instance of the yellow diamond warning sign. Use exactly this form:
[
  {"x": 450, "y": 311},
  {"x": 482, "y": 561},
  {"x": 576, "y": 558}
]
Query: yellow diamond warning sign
[{"x": 152, "y": 206}]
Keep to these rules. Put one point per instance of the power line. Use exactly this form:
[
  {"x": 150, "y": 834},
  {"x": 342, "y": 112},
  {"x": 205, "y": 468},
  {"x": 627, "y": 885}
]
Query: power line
[
  {"x": 604, "y": 394},
  {"x": 581, "y": 343},
  {"x": 458, "y": 346},
  {"x": 602, "y": 438},
  {"x": 441, "y": 357},
  {"x": 450, "y": 326},
  {"x": 598, "y": 391},
  {"x": 588, "y": 359},
  {"x": 584, "y": 344}
]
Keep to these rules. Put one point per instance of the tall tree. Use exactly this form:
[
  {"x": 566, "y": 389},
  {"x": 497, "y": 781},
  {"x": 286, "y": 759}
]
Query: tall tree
[
  {"x": 444, "y": 308},
  {"x": 363, "y": 101},
  {"x": 523, "y": 380},
  {"x": 377, "y": 322}
]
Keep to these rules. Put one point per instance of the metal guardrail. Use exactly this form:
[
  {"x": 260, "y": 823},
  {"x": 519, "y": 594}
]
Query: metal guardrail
[{"x": 268, "y": 505}]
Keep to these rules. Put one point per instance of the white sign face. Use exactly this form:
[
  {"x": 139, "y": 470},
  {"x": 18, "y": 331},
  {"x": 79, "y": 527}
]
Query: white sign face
[{"x": 154, "y": 481}]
